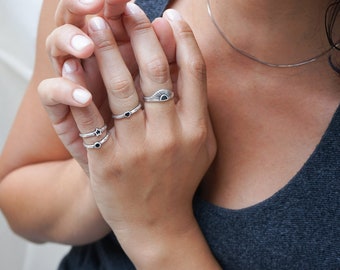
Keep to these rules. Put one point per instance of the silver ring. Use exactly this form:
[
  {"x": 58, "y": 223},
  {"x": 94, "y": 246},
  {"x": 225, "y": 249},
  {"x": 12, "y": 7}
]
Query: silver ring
[
  {"x": 96, "y": 133},
  {"x": 127, "y": 114},
  {"x": 161, "y": 95},
  {"x": 98, "y": 144}
]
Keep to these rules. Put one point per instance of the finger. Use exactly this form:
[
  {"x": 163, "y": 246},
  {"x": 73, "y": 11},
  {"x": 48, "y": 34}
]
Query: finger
[
  {"x": 75, "y": 12},
  {"x": 63, "y": 92},
  {"x": 151, "y": 59},
  {"x": 153, "y": 65},
  {"x": 67, "y": 41},
  {"x": 166, "y": 38},
  {"x": 57, "y": 95},
  {"x": 192, "y": 89},
  {"x": 113, "y": 12},
  {"x": 119, "y": 83},
  {"x": 88, "y": 118}
]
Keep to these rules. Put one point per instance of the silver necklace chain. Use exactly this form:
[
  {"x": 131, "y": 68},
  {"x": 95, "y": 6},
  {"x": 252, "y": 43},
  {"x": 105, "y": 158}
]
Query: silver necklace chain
[{"x": 252, "y": 57}]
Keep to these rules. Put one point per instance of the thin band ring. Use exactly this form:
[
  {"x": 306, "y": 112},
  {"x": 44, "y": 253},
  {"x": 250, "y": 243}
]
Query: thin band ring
[
  {"x": 98, "y": 144},
  {"x": 96, "y": 133},
  {"x": 161, "y": 95},
  {"x": 127, "y": 114}
]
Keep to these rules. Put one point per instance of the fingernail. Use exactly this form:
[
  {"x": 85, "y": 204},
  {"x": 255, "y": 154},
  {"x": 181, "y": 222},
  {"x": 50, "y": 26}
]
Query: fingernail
[
  {"x": 79, "y": 42},
  {"x": 81, "y": 96},
  {"x": 173, "y": 15},
  {"x": 132, "y": 9},
  {"x": 69, "y": 66},
  {"x": 97, "y": 23},
  {"x": 86, "y": 2}
]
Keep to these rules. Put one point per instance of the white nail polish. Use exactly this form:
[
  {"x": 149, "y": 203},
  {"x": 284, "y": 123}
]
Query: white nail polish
[
  {"x": 81, "y": 96},
  {"x": 132, "y": 8},
  {"x": 97, "y": 23},
  {"x": 79, "y": 42},
  {"x": 69, "y": 66},
  {"x": 86, "y": 2},
  {"x": 173, "y": 15}
]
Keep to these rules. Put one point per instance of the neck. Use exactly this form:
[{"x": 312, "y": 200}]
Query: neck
[
  {"x": 281, "y": 32},
  {"x": 273, "y": 11}
]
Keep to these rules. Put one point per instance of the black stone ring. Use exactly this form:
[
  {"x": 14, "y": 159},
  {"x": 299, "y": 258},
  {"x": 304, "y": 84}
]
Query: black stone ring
[
  {"x": 98, "y": 144},
  {"x": 95, "y": 133},
  {"x": 127, "y": 114},
  {"x": 161, "y": 95}
]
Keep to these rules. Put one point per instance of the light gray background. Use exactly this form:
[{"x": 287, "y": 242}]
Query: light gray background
[{"x": 18, "y": 24}]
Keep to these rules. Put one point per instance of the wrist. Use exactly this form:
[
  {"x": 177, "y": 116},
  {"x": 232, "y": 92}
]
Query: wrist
[{"x": 182, "y": 248}]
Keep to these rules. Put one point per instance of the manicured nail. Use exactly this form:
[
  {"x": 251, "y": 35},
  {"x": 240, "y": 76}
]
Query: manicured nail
[
  {"x": 79, "y": 42},
  {"x": 132, "y": 9},
  {"x": 86, "y": 2},
  {"x": 81, "y": 96},
  {"x": 173, "y": 15},
  {"x": 97, "y": 23},
  {"x": 69, "y": 66}
]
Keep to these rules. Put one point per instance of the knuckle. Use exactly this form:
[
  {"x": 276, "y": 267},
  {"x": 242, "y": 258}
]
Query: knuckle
[
  {"x": 46, "y": 91},
  {"x": 71, "y": 12},
  {"x": 120, "y": 87},
  {"x": 166, "y": 146},
  {"x": 193, "y": 58},
  {"x": 184, "y": 31},
  {"x": 112, "y": 9},
  {"x": 87, "y": 121},
  {"x": 197, "y": 68},
  {"x": 198, "y": 136},
  {"x": 52, "y": 42},
  {"x": 104, "y": 42},
  {"x": 141, "y": 25},
  {"x": 157, "y": 70}
]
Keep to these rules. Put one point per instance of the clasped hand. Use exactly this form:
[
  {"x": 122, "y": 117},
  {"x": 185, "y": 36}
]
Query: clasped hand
[{"x": 145, "y": 175}]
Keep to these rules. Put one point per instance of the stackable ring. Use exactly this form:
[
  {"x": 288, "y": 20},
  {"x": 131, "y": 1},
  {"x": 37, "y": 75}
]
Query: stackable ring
[
  {"x": 98, "y": 144},
  {"x": 95, "y": 133},
  {"x": 161, "y": 95},
  {"x": 127, "y": 114}
]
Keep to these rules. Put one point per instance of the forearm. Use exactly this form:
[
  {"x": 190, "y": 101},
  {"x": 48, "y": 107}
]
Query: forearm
[{"x": 51, "y": 201}]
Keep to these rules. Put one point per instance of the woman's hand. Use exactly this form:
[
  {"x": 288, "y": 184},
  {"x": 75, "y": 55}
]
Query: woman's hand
[
  {"x": 145, "y": 174},
  {"x": 71, "y": 14},
  {"x": 66, "y": 45}
]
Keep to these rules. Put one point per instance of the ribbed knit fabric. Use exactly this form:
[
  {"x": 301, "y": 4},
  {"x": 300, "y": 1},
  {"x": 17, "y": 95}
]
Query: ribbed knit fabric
[
  {"x": 296, "y": 228},
  {"x": 153, "y": 8}
]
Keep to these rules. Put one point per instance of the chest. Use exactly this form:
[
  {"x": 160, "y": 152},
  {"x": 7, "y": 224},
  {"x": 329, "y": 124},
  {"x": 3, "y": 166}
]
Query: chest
[{"x": 264, "y": 136}]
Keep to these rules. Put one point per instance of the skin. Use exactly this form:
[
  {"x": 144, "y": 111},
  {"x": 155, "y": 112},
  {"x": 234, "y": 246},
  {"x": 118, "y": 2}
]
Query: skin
[
  {"x": 269, "y": 126},
  {"x": 64, "y": 202}
]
